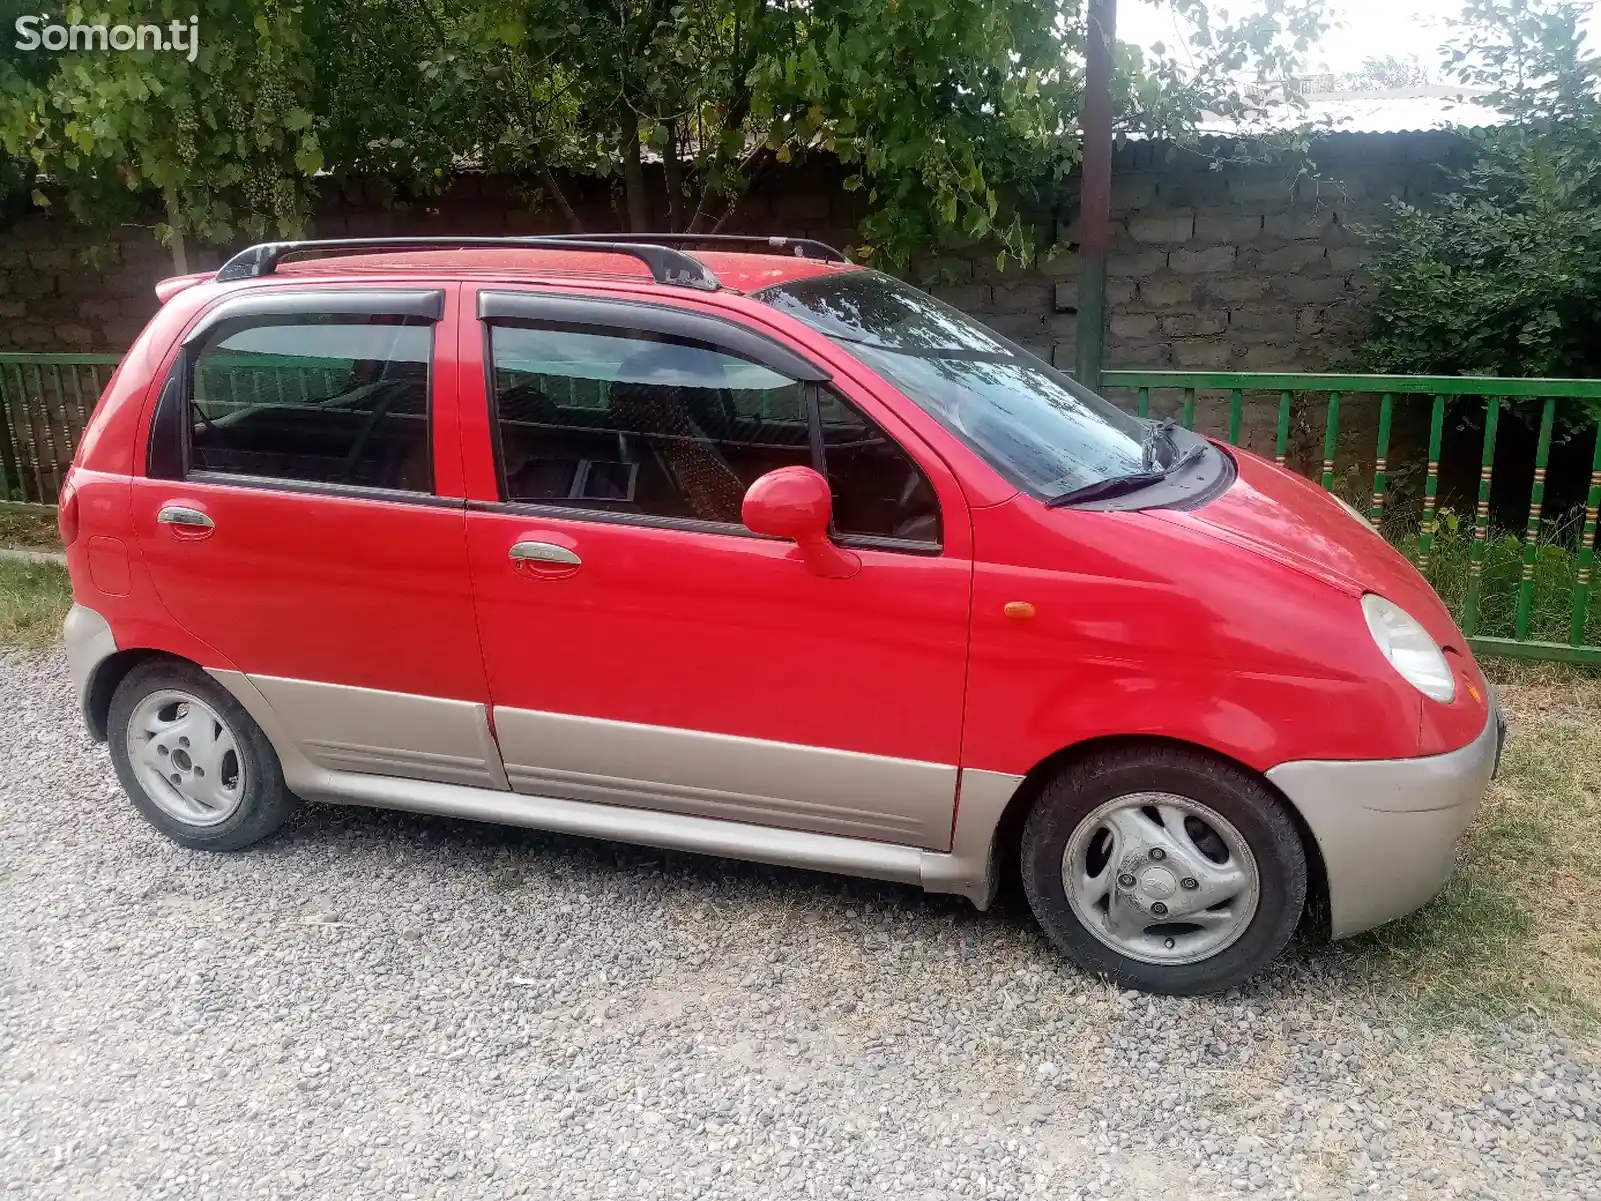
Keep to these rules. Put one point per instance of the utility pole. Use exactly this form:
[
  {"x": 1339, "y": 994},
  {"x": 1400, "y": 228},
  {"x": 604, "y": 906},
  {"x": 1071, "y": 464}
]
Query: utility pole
[{"x": 1095, "y": 193}]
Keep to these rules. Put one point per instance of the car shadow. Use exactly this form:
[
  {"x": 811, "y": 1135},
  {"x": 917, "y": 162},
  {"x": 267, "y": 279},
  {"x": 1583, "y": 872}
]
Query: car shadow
[
  {"x": 505, "y": 858},
  {"x": 511, "y": 850}
]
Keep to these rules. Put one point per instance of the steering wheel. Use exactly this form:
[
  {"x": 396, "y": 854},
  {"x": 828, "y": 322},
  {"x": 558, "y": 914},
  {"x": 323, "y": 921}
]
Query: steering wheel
[
  {"x": 916, "y": 512},
  {"x": 212, "y": 429},
  {"x": 381, "y": 407}
]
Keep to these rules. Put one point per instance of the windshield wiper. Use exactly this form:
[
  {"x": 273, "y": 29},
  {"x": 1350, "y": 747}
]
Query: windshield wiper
[
  {"x": 1118, "y": 485},
  {"x": 1192, "y": 455},
  {"x": 1159, "y": 433},
  {"x": 1112, "y": 485}
]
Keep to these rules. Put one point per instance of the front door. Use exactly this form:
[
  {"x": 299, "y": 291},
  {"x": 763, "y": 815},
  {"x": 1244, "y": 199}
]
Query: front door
[
  {"x": 292, "y": 518},
  {"x": 642, "y": 647}
]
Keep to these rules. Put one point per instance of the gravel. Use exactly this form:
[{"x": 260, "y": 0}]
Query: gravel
[{"x": 378, "y": 1005}]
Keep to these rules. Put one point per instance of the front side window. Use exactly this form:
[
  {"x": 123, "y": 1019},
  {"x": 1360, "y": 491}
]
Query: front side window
[
  {"x": 1038, "y": 428},
  {"x": 338, "y": 400},
  {"x": 627, "y": 421},
  {"x": 879, "y": 492}
]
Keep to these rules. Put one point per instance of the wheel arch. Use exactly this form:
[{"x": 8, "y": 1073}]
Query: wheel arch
[
  {"x": 1009, "y": 829},
  {"x": 105, "y": 677}
]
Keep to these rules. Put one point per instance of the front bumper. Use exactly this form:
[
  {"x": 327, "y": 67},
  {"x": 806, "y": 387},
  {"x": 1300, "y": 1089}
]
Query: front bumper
[{"x": 1387, "y": 828}]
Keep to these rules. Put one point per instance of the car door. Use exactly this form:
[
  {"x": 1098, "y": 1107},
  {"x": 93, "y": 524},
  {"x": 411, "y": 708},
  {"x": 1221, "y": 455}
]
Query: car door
[
  {"x": 642, "y": 646},
  {"x": 298, "y": 515}
]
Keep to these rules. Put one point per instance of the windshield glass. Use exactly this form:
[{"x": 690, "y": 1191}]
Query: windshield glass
[{"x": 1036, "y": 426}]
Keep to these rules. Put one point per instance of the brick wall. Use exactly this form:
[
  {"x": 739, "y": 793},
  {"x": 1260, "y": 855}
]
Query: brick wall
[{"x": 1240, "y": 266}]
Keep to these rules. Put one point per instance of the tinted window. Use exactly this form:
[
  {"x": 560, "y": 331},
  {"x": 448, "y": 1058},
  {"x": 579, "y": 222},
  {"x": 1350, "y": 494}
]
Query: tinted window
[
  {"x": 878, "y": 489},
  {"x": 332, "y": 401},
  {"x": 631, "y": 422},
  {"x": 1037, "y": 427}
]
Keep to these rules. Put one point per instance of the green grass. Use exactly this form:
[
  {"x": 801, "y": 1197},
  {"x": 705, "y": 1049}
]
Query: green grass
[
  {"x": 35, "y": 531},
  {"x": 1518, "y": 927},
  {"x": 1556, "y": 570},
  {"x": 34, "y": 598}
]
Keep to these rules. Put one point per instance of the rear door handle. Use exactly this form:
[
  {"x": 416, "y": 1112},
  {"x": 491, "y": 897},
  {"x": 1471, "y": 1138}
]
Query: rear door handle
[
  {"x": 545, "y": 559},
  {"x": 185, "y": 518}
]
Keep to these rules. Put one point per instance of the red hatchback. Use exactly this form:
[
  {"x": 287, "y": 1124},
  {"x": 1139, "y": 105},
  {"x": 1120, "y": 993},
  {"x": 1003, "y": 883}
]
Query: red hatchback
[{"x": 761, "y": 555}]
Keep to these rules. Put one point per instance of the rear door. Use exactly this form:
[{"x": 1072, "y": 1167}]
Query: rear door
[
  {"x": 643, "y": 647},
  {"x": 301, "y": 514}
]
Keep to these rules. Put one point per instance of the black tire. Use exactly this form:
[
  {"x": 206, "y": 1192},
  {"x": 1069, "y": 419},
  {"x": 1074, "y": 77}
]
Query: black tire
[
  {"x": 266, "y": 802},
  {"x": 1258, "y": 816}
]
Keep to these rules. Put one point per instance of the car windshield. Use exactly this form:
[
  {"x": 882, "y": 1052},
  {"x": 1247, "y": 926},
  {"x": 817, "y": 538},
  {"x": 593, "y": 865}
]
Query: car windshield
[{"x": 1040, "y": 429}]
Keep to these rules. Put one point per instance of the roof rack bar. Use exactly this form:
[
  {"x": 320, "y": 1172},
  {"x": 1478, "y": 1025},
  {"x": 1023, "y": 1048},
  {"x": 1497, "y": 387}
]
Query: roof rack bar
[
  {"x": 804, "y": 248},
  {"x": 667, "y": 266}
]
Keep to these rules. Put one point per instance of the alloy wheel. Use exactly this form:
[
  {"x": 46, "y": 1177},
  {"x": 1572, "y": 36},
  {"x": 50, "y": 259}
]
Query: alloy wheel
[
  {"x": 186, "y": 758},
  {"x": 1160, "y": 878}
]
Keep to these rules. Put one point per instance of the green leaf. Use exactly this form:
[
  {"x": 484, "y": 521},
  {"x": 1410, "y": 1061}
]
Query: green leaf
[{"x": 308, "y": 159}]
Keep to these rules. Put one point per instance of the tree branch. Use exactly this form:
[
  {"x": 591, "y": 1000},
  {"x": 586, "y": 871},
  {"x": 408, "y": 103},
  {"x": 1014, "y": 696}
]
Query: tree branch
[
  {"x": 673, "y": 174},
  {"x": 542, "y": 169}
]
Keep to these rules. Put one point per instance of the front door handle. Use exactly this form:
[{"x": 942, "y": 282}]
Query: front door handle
[
  {"x": 186, "y": 520},
  {"x": 545, "y": 559}
]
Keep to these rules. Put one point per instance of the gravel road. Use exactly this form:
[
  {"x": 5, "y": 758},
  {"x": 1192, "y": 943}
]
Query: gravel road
[{"x": 375, "y": 1005}]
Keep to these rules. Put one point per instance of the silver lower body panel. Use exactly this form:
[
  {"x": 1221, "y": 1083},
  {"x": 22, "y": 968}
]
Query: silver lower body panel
[
  {"x": 337, "y": 753},
  {"x": 967, "y": 870},
  {"x": 89, "y": 643}
]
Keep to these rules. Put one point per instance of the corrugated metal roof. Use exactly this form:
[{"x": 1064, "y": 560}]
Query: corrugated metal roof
[{"x": 1409, "y": 110}]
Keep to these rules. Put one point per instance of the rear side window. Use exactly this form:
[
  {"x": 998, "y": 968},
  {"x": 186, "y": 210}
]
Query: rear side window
[
  {"x": 342, "y": 399},
  {"x": 630, "y": 421}
]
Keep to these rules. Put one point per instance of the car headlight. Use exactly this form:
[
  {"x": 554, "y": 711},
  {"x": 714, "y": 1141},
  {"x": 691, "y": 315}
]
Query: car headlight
[{"x": 1408, "y": 647}]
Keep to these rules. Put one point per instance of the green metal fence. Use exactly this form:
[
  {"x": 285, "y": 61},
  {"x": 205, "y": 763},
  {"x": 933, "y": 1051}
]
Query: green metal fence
[
  {"x": 1553, "y": 568},
  {"x": 1529, "y": 597},
  {"x": 45, "y": 401}
]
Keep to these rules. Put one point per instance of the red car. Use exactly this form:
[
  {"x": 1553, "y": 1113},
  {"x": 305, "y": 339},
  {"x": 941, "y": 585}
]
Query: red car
[{"x": 755, "y": 554}]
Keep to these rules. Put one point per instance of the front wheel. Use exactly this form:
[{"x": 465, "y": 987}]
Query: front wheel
[{"x": 1164, "y": 869}]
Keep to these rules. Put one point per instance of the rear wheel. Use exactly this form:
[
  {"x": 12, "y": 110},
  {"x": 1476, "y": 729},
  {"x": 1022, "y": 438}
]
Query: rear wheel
[
  {"x": 192, "y": 760},
  {"x": 1164, "y": 869}
]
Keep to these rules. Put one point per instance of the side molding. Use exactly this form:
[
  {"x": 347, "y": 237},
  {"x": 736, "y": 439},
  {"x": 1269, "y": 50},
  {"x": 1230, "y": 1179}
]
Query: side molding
[
  {"x": 746, "y": 780},
  {"x": 647, "y": 827},
  {"x": 318, "y": 727}
]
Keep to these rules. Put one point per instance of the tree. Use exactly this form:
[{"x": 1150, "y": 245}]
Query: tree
[
  {"x": 1501, "y": 275},
  {"x": 226, "y": 143},
  {"x": 953, "y": 116},
  {"x": 1389, "y": 72}
]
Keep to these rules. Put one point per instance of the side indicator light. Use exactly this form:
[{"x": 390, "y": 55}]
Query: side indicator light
[
  {"x": 1474, "y": 693},
  {"x": 1018, "y": 610}
]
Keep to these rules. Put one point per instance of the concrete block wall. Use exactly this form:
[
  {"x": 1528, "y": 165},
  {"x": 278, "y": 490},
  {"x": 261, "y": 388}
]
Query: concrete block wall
[
  {"x": 1217, "y": 262},
  {"x": 63, "y": 288}
]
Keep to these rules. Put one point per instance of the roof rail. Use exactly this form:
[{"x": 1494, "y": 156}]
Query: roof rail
[
  {"x": 667, "y": 266},
  {"x": 803, "y": 248}
]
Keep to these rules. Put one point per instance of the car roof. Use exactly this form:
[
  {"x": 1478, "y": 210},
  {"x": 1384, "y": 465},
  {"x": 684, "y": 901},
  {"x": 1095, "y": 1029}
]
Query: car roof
[{"x": 739, "y": 271}]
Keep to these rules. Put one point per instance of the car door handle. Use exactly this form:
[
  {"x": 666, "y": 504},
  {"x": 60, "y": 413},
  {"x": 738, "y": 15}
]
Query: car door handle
[
  {"x": 185, "y": 519},
  {"x": 545, "y": 559}
]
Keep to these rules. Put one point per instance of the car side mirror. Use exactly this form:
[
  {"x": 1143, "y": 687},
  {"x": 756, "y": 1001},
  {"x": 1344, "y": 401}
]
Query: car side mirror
[{"x": 795, "y": 503}]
